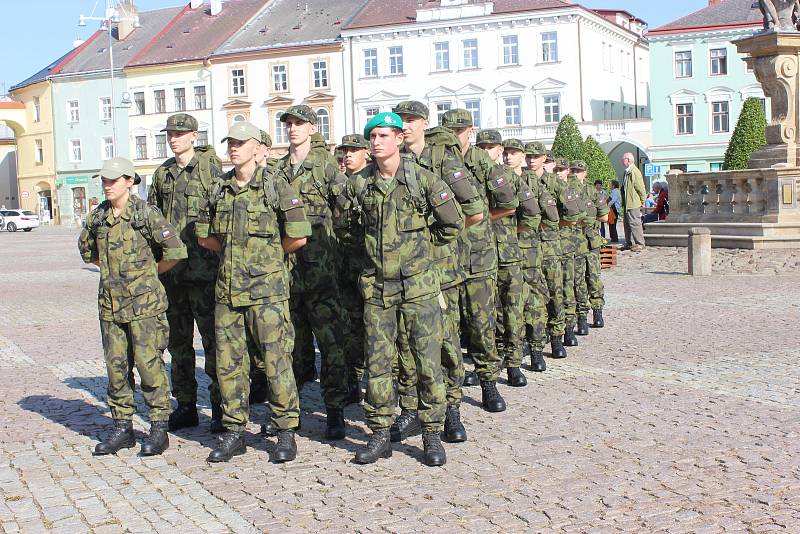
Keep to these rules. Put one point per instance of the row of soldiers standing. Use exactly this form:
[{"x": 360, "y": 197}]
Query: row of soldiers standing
[{"x": 283, "y": 252}]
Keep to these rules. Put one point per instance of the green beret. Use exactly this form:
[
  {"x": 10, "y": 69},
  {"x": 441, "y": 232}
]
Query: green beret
[{"x": 387, "y": 118}]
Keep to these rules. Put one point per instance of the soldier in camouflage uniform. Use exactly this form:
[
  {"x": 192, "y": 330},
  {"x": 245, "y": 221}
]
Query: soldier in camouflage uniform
[
  {"x": 315, "y": 301},
  {"x": 588, "y": 284},
  {"x": 439, "y": 151},
  {"x": 403, "y": 212},
  {"x": 571, "y": 238},
  {"x": 178, "y": 186},
  {"x": 530, "y": 241},
  {"x": 252, "y": 218},
  {"x": 118, "y": 237}
]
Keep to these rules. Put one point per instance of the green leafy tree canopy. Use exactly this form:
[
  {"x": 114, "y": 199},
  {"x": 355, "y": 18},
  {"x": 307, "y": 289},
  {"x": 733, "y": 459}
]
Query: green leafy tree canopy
[
  {"x": 598, "y": 165},
  {"x": 748, "y": 136},
  {"x": 568, "y": 142}
]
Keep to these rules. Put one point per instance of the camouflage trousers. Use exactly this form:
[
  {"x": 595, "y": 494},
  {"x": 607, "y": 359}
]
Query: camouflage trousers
[
  {"x": 594, "y": 280},
  {"x": 318, "y": 314},
  {"x": 478, "y": 307},
  {"x": 568, "y": 288},
  {"x": 581, "y": 289},
  {"x": 550, "y": 308},
  {"x": 534, "y": 296},
  {"x": 190, "y": 304},
  {"x": 353, "y": 304},
  {"x": 452, "y": 359},
  {"x": 510, "y": 305},
  {"x": 422, "y": 320},
  {"x": 267, "y": 328},
  {"x": 139, "y": 343}
]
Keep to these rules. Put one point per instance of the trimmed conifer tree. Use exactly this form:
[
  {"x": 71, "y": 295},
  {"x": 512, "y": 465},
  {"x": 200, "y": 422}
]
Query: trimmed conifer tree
[
  {"x": 568, "y": 142},
  {"x": 748, "y": 136},
  {"x": 598, "y": 165}
]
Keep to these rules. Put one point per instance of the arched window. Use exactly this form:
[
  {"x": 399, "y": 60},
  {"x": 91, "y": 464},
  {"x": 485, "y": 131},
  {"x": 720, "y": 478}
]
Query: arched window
[
  {"x": 324, "y": 123},
  {"x": 238, "y": 118},
  {"x": 281, "y": 136}
]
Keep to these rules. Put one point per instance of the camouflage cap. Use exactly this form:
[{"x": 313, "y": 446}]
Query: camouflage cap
[
  {"x": 115, "y": 168},
  {"x": 354, "y": 141},
  {"x": 488, "y": 137},
  {"x": 535, "y": 148},
  {"x": 338, "y": 152},
  {"x": 302, "y": 112},
  {"x": 577, "y": 165},
  {"x": 457, "y": 118},
  {"x": 266, "y": 140},
  {"x": 242, "y": 131},
  {"x": 411, "y": 107},
  {"x": 562, "y": 163},
  {"x": 514, "y": 144},
  {"x": 387, "y": 118},
  {"x": 181, "y": 122},
  {"x": 549, "y": 155}
]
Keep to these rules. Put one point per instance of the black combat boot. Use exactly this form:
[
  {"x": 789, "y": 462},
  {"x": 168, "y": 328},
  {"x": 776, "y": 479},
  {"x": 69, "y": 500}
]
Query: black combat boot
[
  {"x": 526, "y": 348},
  {"x": 490, "y": 398},
  {"x": 434, "y": 451},
  {"x": 258, "y": 389},
  {"x": 216, "y": 419},
  {"x": 121, "y": 438},
  {"x": 377, "y": 447},
  {"x": 597, "y": 315},
  {"x": 268, "y": 429},
  {"x": 569, "y": 336},
  {"x": 184, "y": 416},
  {"x": 471, "y": 379},
  {"x": 406, "y": 425},
  {"x": 157, "y": 441},
  {"x": 537, "y": 361},
  {"x": 230, "y": 444},
  {"x": 355, "y": 395},
  {"x": 516, "y": 378},
  {"x": 286, "y": 449},
  {"x": 557, "y": 350},
  {"x": 454, "y": 431},
  {"x": 583, "y": 326},
  {"x": 335, "y": 428}
]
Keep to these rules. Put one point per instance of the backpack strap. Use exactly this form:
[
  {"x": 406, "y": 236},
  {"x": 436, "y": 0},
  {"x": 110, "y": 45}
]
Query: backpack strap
[
  {"x": 270, "y": 192},
  {"x": 412, "y": 184}
]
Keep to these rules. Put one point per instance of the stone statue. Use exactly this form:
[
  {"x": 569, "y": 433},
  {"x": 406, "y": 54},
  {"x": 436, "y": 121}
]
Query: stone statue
[{"x": 780, "y": 15}]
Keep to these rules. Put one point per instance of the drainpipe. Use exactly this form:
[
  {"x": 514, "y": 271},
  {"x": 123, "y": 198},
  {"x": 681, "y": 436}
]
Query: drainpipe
[
  {"x": 635, "y": 83},
  {"x": 580, "y": 67},
  {"x": 352, "y": 89}
]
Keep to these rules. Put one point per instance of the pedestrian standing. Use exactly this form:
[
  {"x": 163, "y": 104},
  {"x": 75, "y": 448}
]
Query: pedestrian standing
[{"x": 633, "y": 197}]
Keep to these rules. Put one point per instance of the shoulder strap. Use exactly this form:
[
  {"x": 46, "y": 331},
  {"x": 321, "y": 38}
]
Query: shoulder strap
[
  {"x": 139, "y": 219},
  {"x": 270, "y": 193},
  {"x": 360, "y": 187},
  {"x": 410, "y": 174}
]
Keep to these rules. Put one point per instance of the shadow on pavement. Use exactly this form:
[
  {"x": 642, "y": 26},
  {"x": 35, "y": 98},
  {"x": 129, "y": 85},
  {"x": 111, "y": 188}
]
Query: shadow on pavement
[{"x": 77, "y": 415}]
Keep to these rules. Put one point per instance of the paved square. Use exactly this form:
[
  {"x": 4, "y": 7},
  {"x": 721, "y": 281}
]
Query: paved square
[{"x": 681, "y": 415}]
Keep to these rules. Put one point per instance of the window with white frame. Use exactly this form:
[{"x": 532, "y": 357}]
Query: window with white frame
[
  {"x": 105, "y": 108},
  {"x": 324, "y": 123},
  {"x": 202, "y": 138},
  {"x": 719, "y": 61},
  {"x": 549, "y": 47},
  {"x": 552, "y": 108},
  {"x": 611, "y": 65},
  {"x": 371, "y": 112},
  {"x": 320, "y": 73},
  {"x": 281, "y": 135},
  {"x": 179, "y": 93},
  {"x": 237, "y": 82},
  {"x": 107, "y": 147},
  {"x": 395, "y": 60},
  {"x": 39, "y": 151},
  {"x": 160, "y": 101},
  {"x": 513, "y": 110},
  {"x": 474, "y": 107},
  {"x": 441, "y": 109},
  {"x": 720, "y": 117},
  {"x": 37, "y": 109},
  {"x": 239, "y": 118},
  {"x": 510, "y": 50},
  {"x": 75, "y": 151},
  {"x": 683, "y": 64},
  {"x": 280, "y": 78},
  {"x": 73, "y": 111},
  {"x": 161, "y": 146},
  {"x": 141, "y": 146},
  {"x": 605, "y": 57},
  {"x": 470, "y": 53},
  {"x": 138, "y": 100},
  {"x": 199, "y": 97},
  {"x": 442, "y": 55},
  {"x": 370, "y": 62},
  {"x": 684, "y": 116}
]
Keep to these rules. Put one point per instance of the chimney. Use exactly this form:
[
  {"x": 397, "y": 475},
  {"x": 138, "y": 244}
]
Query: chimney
[
  {"x": 216, "y": 7},
  {"x": 196, "y": 3},
  {"x": 129, "y": 18}
]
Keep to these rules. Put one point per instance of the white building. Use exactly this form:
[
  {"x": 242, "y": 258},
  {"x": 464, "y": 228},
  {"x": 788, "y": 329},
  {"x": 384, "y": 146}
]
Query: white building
[{"x": 518, "y": 65}]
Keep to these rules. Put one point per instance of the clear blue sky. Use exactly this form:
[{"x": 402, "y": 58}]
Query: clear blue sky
[{"x": 27, "y": 48}]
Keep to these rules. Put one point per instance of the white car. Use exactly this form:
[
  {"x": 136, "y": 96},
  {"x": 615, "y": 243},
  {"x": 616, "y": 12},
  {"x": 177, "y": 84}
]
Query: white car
[{"x": 19, "y": 220}]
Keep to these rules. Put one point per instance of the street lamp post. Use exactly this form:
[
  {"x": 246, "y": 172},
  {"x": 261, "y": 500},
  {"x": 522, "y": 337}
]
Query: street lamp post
[{"x": 112, "y": 16}]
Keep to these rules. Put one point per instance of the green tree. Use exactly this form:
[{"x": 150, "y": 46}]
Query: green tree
[
  {"x": 597, "y": 162},
  {"x": 748, "y": 136},
  {"x": 568, "y": 142}
]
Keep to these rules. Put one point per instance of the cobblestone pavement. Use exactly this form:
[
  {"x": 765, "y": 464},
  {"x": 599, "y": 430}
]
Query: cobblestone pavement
[{"x": 680, "y": 416}]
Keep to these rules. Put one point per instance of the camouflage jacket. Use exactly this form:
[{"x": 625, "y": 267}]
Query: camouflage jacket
[
  {"x": 505, "y": 228},
  {"x": 123, "y": 247},
  {"x": 178, "y": 193},
  {"x": 318, "y": 182},
  {"x": 573, "y": 238},
  {"x": 569, "y": 206},
  {"x": 547, "y": 211},
  {"x": 249, "y": 222},
  {"x": 401, "y": 223},
  {"x": 595, "y": 206}
]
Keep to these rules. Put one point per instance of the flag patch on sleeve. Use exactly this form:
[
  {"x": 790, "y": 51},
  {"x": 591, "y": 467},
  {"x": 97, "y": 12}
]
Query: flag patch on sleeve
[
  {"x": 444, "y": 195},
  {"x": 500, "y": 181},
  {"x": 458, "y": 174},
  {"x": 166, "y": 233},
  {"x": 295, "y": 202}
]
